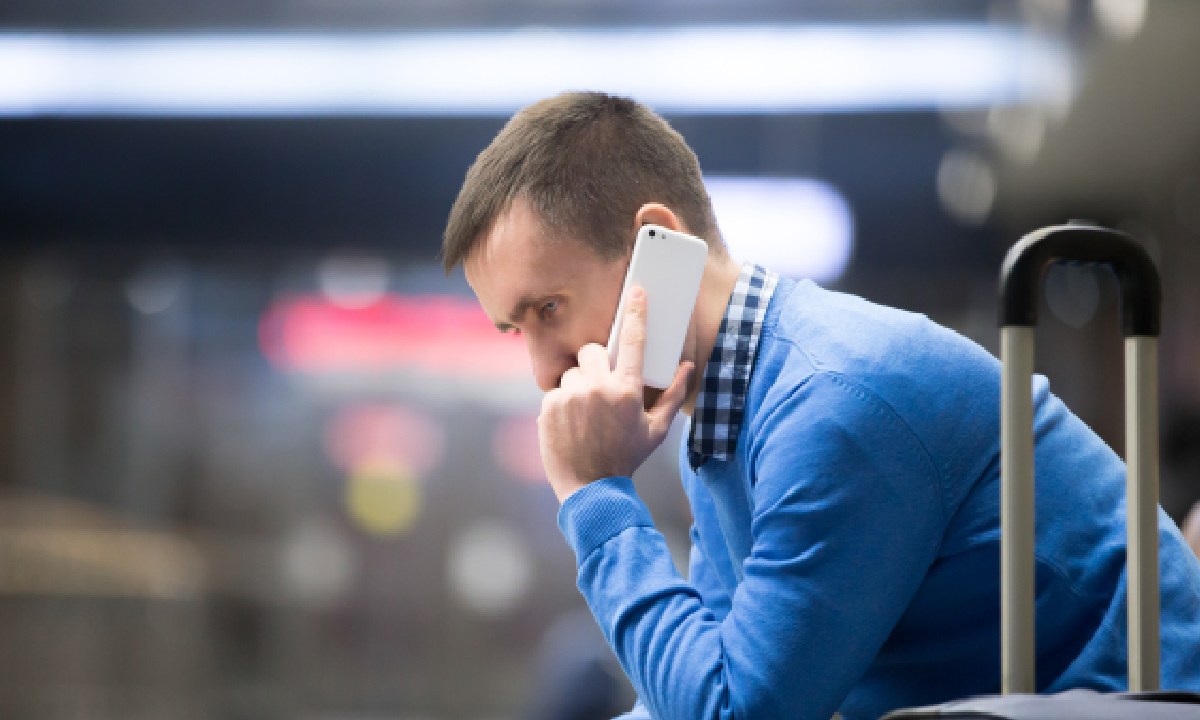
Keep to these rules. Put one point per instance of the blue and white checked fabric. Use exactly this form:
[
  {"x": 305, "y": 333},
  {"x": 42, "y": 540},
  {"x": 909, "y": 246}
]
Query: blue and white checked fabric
[{"x": 718, "y": 414}]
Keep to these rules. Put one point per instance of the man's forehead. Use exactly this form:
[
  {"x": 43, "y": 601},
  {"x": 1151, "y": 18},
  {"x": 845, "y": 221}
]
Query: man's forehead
[
  {"x": 517, "y": 259},
  {"x": 514, "y": 231},
  {"x": 505, "y": 276}
]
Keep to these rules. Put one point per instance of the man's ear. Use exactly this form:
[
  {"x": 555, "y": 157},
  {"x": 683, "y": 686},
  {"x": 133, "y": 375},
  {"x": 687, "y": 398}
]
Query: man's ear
[{"x": 657, "y": 214}]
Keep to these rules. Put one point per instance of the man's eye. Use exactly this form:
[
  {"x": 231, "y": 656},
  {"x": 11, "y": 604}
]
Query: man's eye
[
  {"x": 510, "y": 329},
  {"x": 546, "y": 311}
]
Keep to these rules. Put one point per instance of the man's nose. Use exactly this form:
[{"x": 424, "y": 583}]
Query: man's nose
[{"x": 549, "y": 363}]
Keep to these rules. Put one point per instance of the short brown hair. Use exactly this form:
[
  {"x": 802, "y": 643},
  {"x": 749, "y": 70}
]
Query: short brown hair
[{"x": 585, "y": 162}]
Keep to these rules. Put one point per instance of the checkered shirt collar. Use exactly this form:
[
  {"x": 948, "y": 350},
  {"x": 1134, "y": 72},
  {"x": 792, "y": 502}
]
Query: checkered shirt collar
[{"x": 717, "y": 418}]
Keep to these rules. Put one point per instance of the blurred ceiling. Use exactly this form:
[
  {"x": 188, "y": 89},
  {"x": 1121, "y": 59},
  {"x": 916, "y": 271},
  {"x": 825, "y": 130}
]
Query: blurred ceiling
[
  {"x": 82, "y": 15},
  {"x": 1131, "y": 133},
  {"x": 1134, "y": 128}
]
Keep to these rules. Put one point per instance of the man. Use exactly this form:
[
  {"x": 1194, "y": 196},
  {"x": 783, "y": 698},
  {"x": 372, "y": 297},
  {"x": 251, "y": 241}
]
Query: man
[{"x": 841, "y": 464}]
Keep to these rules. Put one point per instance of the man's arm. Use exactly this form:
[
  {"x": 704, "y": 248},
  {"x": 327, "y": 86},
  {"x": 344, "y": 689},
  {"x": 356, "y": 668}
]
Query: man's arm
[
  {"x": 703, "y": 577},
  {"x": 846, "y": 519}
]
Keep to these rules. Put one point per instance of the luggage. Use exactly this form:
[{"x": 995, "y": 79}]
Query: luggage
[
  {"x": 1069, "y": 705},
  {"x": 1020, "y": 285}
]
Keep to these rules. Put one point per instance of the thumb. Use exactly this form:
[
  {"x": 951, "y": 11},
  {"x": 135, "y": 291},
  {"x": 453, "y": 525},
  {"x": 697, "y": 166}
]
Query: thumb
[{"x": 665, "y": 408}]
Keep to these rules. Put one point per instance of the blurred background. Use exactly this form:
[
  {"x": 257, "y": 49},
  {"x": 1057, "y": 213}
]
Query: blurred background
[{"x": 261, "y": 458}]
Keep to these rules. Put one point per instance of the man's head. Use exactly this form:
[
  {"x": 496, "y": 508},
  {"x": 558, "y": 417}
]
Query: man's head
[
  {"x": 545, "y": 221},
  {"x": 584, "y": 162}
]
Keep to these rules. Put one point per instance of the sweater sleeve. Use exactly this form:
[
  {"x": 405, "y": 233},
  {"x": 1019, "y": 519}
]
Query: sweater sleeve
[
  {"x": 702, "y": 576},
  {"x": 846, "y": 519}
]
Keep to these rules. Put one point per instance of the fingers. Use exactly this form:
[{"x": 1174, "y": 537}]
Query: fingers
[
  {"x": 593, "y": 360},
  {"x": 668, "y": 404},
  {"x": 632, "y": 343},
  {"x": 571, "y": 379}
]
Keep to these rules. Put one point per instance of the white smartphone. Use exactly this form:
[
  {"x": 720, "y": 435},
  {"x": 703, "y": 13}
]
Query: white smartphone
[{"x": 668, "y": 265}]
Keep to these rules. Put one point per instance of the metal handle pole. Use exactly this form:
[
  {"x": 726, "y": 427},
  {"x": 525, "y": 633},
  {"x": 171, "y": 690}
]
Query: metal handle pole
[
  {"x": 1141, "y": 310},
  {"x": 1016, "y": 511},
  {"x": 1141, "y": 492}
]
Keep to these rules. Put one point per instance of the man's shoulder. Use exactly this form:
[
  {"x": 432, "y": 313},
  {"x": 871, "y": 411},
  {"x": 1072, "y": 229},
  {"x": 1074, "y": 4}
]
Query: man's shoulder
[
  {"x": 812, "y": 329},
  {"x": 925, "y": 376}
]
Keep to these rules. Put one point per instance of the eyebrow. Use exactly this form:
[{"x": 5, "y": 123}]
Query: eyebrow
[{"x": 520, "y": 309}]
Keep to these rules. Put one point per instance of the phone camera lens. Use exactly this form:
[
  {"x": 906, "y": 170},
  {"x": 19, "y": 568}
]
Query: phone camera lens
[{"x": 651, "y": 233}]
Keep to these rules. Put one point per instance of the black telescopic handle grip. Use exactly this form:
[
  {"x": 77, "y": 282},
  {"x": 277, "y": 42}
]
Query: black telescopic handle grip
[{"x": 1026, "y": 263}]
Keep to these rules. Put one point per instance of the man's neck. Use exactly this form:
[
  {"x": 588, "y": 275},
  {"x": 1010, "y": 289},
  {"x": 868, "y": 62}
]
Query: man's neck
[{"x": 717, "y": 284}]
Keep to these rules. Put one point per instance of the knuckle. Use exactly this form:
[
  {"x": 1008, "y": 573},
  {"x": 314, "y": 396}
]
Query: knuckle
[
  {"x": 550, "y": 401},
  {"x": 578, "y": 406},
  {"x": 627, "y": 394}
]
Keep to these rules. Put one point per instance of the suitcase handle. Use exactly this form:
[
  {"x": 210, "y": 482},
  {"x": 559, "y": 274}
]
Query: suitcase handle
[
  {"x": 1077, "y": 241},
  {"x": 1020, "y": 285}
]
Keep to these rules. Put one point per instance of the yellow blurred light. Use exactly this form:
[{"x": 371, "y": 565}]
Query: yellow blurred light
[{"x": 382, "y": 498}]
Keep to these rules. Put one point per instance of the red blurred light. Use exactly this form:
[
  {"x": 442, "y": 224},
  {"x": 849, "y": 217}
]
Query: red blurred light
[
  {"x": 515, "y": 447},
  {"x": 436, "y": 334},
  {"x": 365, "y": 434}
]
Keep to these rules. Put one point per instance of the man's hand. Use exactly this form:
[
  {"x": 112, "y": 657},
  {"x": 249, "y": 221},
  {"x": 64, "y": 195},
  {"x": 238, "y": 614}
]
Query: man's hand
[{"x": 594, "y": 425}]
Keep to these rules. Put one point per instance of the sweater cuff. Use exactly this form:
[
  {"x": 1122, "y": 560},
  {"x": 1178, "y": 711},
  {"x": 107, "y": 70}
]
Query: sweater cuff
[{"x": 599, "y": 511}]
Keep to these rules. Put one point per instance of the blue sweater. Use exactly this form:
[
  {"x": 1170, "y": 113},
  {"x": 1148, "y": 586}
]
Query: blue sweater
[{"x": 847, "y": 558}]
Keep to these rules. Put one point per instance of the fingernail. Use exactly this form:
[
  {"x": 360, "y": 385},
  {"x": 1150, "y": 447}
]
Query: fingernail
[{"x": 636, "y": 293}]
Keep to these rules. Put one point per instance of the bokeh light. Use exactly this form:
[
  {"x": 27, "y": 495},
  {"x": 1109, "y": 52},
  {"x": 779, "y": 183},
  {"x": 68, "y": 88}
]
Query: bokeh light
[
  {"x": 353, "y": 280},
  {"x": 1121, "y": 19},
  {"x": 155, "y": 287},
  {"x": 798, "y": 227},
  {"x": 319, "y": 566},
  {"x": 437, "y": 335},
  {"x": 490, "y": 571},
  {"x": 966, "y": 186},
  {"x": 515, "y": 447},
  {"x": 382, "y": 498},
  {"x": 1072, "y": 293},
  {"x": 364, "y": 433}
]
